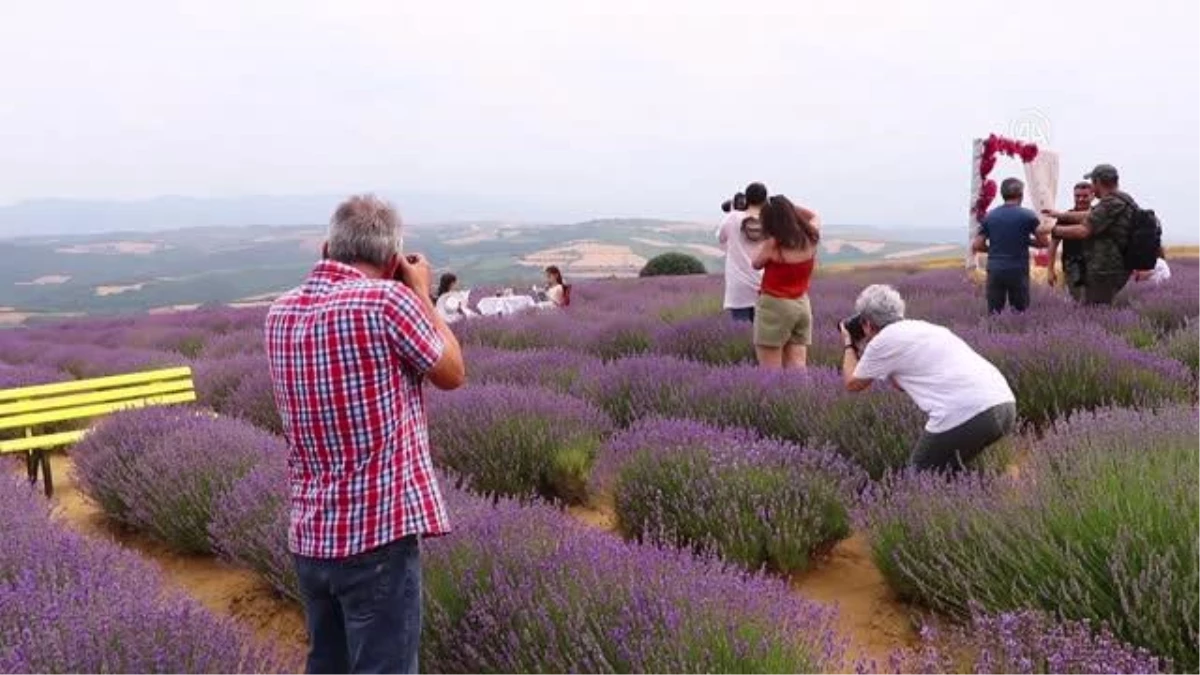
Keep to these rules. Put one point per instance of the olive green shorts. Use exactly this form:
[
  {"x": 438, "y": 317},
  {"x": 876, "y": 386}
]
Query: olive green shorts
[{"x": 779, "y": 322}]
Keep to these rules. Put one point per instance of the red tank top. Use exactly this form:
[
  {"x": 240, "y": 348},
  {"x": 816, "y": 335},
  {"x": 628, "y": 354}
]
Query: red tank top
[{"x": 787, "y": 280}]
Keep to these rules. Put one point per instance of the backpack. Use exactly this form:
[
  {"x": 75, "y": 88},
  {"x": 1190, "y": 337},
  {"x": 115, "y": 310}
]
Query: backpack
[{"x": 1144, "y": 240}]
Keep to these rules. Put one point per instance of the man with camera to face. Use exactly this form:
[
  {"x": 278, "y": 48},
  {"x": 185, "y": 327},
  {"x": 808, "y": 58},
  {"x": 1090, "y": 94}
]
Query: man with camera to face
[
  {"x": 349, "y": 351},
  {"x": 969, "y": 403}
]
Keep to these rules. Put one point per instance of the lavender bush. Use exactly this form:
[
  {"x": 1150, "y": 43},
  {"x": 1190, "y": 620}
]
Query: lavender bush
[
  {"x": 217, "y": 379},
  {"x": 250, "y": 524},
  {"x": 1023, "y": 642},
  {"x": 1101, "y": 525},
  {"x": 718, "y": 340},
  {"x": 557, "y": 369},
  {"x": 623, "y": 337},
  {"x": 69, "y": 604},
  {"x": 529, "y": 590},
  {"x": 253, "y": 400},
  {"x": 757, "y": 503},
  {"x": 516, "y": 442},
  {"x": 641, "y": 386},
  {"x": 104, "y": 460},
  {"x": 166, "y": 484},
  {"x": 1184, "y": 346},
  {"x": 1059, "y": 370}
]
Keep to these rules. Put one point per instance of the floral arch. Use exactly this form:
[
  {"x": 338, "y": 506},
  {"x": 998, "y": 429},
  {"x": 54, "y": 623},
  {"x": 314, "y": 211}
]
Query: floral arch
[{"x": 1041, "y": 179}]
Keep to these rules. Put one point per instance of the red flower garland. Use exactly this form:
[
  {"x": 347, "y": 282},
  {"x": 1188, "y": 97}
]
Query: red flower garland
[{"x": 993, "y": 145}]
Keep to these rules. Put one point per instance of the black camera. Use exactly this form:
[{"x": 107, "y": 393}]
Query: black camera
[{"x": 854, "y": 326}]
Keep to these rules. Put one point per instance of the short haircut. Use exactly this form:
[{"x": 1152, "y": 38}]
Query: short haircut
[
  {"x": 756, "y": 194},
  {"x": 1011, "y": 188},
  {"x": 739, "y": 201},
  {"x": 880, "y": 304},
  {"x": 727, "y": 205},
  {"x": 364, "y": 229},
  {"x": 1083, "y": 185}
]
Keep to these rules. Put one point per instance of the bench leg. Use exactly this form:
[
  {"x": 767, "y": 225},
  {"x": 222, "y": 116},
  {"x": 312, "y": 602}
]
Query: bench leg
[{"x": 34, "y": 459}]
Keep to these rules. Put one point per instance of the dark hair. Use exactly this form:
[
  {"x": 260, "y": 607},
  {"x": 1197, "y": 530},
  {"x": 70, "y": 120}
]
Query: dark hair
[
  {"x": 756, "y": 194},
  {"x": 445, "y": 283},
  {"x": 727, "y": 206},
  {"x": 1011, "y": 188},
  {"x": 739, "y": 201},
  {"x": 556, "y": 273},
  {"x": 783, "y": 222},
  {"x": 1083, "y": 185}
]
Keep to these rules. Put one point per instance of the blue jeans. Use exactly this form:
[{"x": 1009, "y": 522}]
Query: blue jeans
[
  {"x": 363, "y": 612},
  {"x": 745, "y": 314}
]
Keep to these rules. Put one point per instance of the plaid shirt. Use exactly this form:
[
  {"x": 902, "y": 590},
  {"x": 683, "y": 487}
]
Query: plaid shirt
[{"x": 347, "y": 356}]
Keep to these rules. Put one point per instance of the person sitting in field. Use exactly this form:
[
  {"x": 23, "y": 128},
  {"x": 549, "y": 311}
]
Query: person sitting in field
[
  {"x": 557, "y": 291},
  {"x": 969, "y": 403},
  {"x": 448, "y": 282},
  {"x": 787, "y": 257},
  {"x": 1157, "y": 276}
]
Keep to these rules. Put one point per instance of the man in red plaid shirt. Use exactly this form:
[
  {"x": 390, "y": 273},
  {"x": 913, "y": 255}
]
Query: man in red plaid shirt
[{"x": 349, "y": 351}]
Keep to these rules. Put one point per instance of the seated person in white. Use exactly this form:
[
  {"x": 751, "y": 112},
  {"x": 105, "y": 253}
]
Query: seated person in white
[
  {"x": 557, "y": 293},
  {"x": 969, "y": 403},
  {"x": 1157, "y": 276}
]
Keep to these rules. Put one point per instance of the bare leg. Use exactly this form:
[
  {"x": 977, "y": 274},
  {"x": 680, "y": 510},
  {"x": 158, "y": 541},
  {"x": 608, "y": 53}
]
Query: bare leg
[
  {"x": 769, "y": 357},
  {"x": 795, "y": 356}
]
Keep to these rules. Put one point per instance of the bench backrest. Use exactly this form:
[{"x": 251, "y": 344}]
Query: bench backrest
[{"x": 27, "y": 408}]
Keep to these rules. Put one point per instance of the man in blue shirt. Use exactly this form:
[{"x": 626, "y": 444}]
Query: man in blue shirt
[{"x": 1006, "y": 234}]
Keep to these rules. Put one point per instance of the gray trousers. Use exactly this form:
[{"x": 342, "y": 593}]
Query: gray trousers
[{"x": 954, "y": 448}]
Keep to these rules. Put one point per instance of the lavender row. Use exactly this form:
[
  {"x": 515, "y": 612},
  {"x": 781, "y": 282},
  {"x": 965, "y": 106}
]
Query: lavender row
[
  {"x": 1100, "y": 524},
  {"x": 69, "y": 604}
]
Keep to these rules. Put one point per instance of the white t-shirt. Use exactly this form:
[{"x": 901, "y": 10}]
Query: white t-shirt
[
  {"x": 943, "y": 375},
  {"x": 742, "y": 281},
  {"x": 1160, "y": 273}
]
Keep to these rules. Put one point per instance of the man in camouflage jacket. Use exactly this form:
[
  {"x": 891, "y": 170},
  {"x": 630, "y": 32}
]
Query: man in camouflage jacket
[{"x": 1104, "y": 231}]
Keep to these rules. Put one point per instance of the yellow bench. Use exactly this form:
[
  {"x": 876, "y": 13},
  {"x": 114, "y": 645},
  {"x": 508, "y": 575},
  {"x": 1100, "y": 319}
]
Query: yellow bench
[{"x": 29, "y": 408}]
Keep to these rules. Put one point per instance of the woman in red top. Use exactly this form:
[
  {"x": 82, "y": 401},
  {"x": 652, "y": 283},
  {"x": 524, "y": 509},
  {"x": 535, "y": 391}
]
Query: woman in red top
[{"x": 783, "y": 316}]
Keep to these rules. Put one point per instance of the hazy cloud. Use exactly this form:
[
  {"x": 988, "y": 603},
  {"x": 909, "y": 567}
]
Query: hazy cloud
[{"x": 864, "y": 110}]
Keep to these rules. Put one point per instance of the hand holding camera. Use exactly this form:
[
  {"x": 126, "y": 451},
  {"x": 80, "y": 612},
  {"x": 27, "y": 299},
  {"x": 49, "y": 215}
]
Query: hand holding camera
[
  {"x": 852, "y": 332},
  {"x": 414, "y": 271}
]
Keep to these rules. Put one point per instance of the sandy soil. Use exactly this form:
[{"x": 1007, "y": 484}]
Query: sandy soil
[
  {"x": 116, "y": 248},
  {"x": 588, "y": 258},
  {"x": 870, "y": 617},
  {"x": 117, "y": 290},
  {"x": 223, "y": 589},
  {"x": 10, "y": 318},
  {"x": 869, "y": 614},
  {"x": 47, "y": 280}
]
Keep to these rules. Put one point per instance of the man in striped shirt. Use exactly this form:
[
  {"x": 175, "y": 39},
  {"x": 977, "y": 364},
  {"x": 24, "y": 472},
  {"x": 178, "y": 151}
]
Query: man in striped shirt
[{"x": 349, "y": 351}]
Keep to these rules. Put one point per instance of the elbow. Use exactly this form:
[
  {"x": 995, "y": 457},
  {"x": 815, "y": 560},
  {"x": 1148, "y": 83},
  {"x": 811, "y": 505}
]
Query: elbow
[{"x": 449, "y": 375}]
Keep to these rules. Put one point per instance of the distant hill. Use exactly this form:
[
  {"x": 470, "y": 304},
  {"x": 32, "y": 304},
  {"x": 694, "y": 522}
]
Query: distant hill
[{"x": 139, "y": 271}]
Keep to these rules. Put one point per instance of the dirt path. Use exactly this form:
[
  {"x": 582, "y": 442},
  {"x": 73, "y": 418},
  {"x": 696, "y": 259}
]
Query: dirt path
[
  {"x": 226, "y": 590},
  {"x": 869, "y": 615}
]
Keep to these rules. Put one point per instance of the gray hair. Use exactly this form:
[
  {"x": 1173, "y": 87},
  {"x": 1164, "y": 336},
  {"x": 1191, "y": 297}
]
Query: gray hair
[
  {"x": 880, "y": 304},
  {"x": 1011, "y": 188},
  {"x": 364, "y": 229}
]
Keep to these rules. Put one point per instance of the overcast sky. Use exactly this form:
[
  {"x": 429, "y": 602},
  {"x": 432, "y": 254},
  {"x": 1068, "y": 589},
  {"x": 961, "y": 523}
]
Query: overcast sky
[{"x": 863, "y": 110}]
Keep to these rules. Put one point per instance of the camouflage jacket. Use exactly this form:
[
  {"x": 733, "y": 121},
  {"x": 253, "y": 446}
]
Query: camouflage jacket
[{"x": 1110, "y": 222}]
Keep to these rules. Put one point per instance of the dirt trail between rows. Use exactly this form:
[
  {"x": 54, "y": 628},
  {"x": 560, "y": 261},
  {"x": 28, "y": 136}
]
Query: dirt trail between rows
[
  {"x": 223, "y": 589},
  {"x": 869, "y": 615}
]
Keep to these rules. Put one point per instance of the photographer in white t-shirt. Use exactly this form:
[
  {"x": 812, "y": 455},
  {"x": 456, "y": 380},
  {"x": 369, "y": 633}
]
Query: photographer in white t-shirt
[{"x": 969, "y": 403}]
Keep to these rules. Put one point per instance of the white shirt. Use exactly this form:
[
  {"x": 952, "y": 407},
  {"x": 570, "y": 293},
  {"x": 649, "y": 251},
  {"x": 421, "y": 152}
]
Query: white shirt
[
  {"x": 1160, "y": 273},
  {"x": 742, "y": 281},
  {"x": 943, "y": 375}
]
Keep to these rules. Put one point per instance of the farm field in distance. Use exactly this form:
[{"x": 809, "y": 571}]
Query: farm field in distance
[
  {"x": 630, "y": 494},
  {"x": 159, "y": 271}
]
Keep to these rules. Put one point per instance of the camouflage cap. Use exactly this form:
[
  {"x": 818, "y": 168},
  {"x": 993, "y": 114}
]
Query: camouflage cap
[{"x": 1104, "y": 173}]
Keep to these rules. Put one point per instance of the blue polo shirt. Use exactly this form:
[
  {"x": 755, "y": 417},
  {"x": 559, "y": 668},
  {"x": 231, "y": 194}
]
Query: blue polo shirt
[{"x": 1007, "y": 229}]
